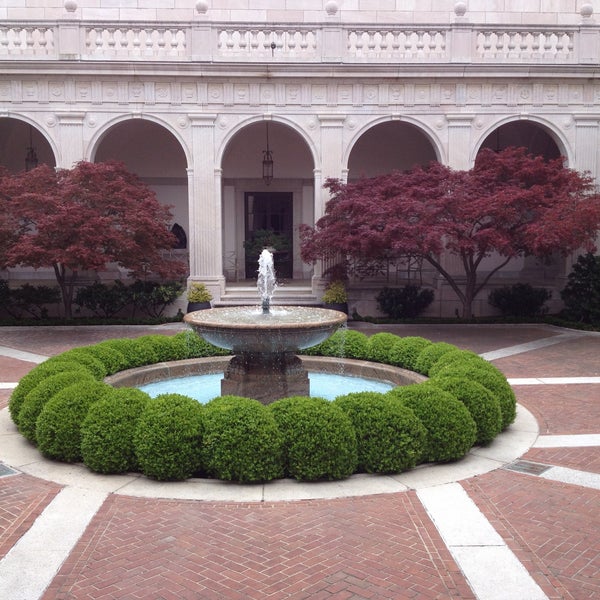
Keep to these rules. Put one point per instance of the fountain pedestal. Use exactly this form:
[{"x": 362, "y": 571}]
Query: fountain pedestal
[{"x": 265, "y": 377}]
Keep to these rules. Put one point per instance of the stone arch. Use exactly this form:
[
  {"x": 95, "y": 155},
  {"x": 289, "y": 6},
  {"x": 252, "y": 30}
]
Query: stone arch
[
  {"x": 364, "y": 141},
  {"x": 17, "y": 134},
  {"x": 151, "y": 150},
  {"x": 110, "y": 125},
  {"x": 535, "y": 133},
  {"x": 253, "y": 205},
  {"x": 242, "y": 125}
]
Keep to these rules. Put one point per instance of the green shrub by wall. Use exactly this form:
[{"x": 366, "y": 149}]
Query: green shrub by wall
[
  {"x": 168, "y": 437},
  {"x": 107, "y": 431},
  {"x": 39, "y": 396},
  {"x": 405, "y": 351},
  {"x": 389, "y": 436},
  {"x": 318, "y": 438},
  {"x": 58, "y": 427},
  {"x": 241, "y": 441},
  {"x": 451, "y": 430}
]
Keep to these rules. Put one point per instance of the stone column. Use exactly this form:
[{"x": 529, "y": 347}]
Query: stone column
[
  {"x": 204, "y": 193},
  {"x": 586, "y": 144},
  {"x": 331, "y": 152},
  {"x": 459, "y": 141},
  {"x": 71, "y": 139}
]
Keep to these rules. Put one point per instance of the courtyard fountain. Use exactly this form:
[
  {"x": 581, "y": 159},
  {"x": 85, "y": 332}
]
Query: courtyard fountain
[{"x": 265, "y": 340}]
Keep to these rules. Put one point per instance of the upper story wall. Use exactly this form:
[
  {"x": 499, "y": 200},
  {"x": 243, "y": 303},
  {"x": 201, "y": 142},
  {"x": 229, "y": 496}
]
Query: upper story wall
[{"x": 549, "y": 12}]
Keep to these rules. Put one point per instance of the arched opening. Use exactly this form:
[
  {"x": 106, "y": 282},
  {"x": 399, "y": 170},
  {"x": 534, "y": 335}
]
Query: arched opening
[
  {"x": 264, "y": 208},
  {"x": 22, "y": 146},
  {"x": 155, "y": 156},
  {"x": 528, "y": 134},
  {"x": 389, "y": 146}
]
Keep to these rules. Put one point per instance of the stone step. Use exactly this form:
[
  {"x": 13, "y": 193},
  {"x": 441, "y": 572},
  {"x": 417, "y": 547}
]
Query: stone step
[{"x": 297, "y": 295}]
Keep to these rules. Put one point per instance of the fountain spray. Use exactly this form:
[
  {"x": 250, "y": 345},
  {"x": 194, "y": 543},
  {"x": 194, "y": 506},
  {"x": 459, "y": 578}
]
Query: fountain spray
[{"x": 266, "y": 282}]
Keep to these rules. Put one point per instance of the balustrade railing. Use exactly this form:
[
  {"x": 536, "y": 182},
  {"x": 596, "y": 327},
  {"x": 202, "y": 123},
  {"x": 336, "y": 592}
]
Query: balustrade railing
[{"x": 312, "y": 43}]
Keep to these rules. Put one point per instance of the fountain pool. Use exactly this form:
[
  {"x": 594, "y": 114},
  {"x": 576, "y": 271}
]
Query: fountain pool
[{"x": 205, "y": 387}]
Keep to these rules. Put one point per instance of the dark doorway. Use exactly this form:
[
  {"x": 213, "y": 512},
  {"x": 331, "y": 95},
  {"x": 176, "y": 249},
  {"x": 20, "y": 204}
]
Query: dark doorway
[{"x": 269, "y": 223}]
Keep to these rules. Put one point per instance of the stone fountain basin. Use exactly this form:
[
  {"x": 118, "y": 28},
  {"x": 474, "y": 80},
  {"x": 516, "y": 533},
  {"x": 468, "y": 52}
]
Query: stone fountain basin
[{"x": 246, "y": 329}]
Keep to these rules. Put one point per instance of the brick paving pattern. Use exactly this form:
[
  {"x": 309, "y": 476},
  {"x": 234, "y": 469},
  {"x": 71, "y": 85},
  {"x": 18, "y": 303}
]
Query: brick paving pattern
[
  {"x": 587, "y": 459},
  {"x": 22, "y": 499},
  {"x": 552, "y": 527},
  {"x": 372, "y": 547}
]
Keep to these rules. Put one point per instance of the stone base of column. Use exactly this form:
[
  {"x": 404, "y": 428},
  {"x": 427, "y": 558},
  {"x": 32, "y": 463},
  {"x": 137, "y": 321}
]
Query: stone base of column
[{"x": 265, "y": 377}]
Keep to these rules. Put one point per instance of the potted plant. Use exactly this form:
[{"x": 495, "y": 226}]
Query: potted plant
[
  {"x": 198, "y": 297},
  {"x": 335, "y": 296}
]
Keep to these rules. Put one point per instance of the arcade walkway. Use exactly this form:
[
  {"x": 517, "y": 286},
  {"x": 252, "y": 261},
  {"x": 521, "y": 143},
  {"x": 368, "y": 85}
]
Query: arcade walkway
[{"x": 519, "y": 520}]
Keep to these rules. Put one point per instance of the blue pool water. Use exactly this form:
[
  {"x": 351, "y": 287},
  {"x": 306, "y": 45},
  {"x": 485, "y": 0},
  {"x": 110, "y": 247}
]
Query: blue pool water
[{"x": 206, "y": 387}]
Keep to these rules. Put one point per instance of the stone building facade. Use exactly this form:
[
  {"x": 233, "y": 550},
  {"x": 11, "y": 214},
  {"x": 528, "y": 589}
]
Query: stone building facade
[{"x": 190, "y": 96}]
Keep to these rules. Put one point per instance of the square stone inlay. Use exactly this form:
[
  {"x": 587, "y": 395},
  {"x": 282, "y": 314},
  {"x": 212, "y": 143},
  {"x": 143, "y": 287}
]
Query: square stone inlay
[
  {"x": 4, "y": 471},
  {"x": 525, "y": 466}
]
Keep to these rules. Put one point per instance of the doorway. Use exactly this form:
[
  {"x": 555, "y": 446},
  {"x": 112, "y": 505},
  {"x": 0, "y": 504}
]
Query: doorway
[{"x": 269, "y": 224}]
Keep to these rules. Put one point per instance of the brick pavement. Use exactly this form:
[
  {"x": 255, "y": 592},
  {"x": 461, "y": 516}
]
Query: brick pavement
[{"x": 378, "y": 546}]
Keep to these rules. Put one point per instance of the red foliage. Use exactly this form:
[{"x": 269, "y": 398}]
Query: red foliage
[
  {"x": 84, "y": 218},
  {"x": 510, "y": 203}
]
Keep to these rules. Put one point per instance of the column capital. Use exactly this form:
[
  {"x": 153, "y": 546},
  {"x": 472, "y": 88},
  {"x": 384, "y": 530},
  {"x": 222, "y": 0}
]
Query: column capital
[
  {"x": 202, "y": 119},
  {"x": 331, "y": 120}
]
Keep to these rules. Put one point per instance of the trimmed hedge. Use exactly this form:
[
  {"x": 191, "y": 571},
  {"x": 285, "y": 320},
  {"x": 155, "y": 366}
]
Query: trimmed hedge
[
  {"x": 107, "y": 431},
  {"x": 168, "y": 437},
  {"x": 174, "y": 437},
  {"x": 430, "y": 355},
  {"x": 390, "y": 438},
  {"x": 405, "y": 352},
  {"x": 39, "y": 396},
  {"x": 451, "y": 430},
  {"x": 488, "y": 376},
  {"x": 36, "y": 376},
  {"x": 241, "y": 441},
  {"x": 345, "y": 343},
  {"x": 318, "y": 438},
  {"x": 58, "y": 428},
  {"x": 480, "y": 402},
  {"x": 378, "y": 348}
]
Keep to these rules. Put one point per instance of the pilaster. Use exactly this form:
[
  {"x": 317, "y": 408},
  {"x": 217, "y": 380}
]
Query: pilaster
[
  {"x": 71, "y": 138},
  {"x": 459, "y": 141},
  {"x": 586, "y": 144}
]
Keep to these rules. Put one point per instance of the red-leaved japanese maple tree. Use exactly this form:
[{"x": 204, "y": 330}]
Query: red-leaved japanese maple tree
[
  {"x": 83, "y": 219},
  {"x": 509, "y": 204}
]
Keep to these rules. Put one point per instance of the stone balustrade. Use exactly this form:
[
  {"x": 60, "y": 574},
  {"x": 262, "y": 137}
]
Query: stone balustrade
[{"x": 300, "y": 43}]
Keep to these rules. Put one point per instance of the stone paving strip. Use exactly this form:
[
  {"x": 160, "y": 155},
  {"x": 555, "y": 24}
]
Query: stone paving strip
[
  {"x": 491, "y": 568},
  {"x": 22, "y": 355},
  {"x": 47, "y": 543},
  {"x": 552, "y": 380},
  {"x": 528, "y": 346},
  {"x": 580, "y": 440}
]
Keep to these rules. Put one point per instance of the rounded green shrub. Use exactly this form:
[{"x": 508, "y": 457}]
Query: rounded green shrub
[
  {"x": 188, "y": 344},
  {"x": 86, "y": 359},
  {"x": 451, "y": 430},
  {"x": 480, "y": 402},
  {"x": 58, "y": 428},
  {"x": 107, "y": 431},
  {"x": 34, "y": 377},
  {"x": 241, "y": 441},
  {"x": 406, "y": 350},
  {"x": 346, "y": 343},
  {"x": 389, "y": 436},
  {"x": 378, "y": 347},
  {"x": 490, "y": 377},
  {"x": 162, "y": 346},
  {"x": 168, "y": 437},
  {"x": 133, "y": 353},
  {"x": 110, "y": 357},
  {"x": 431, "y": 354},
  {"x": 455, "y": 357},
  {"x": 40, "y": 395},
  {"x": 318, "y": 438}
]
